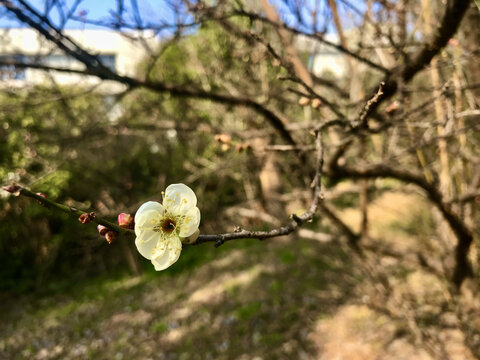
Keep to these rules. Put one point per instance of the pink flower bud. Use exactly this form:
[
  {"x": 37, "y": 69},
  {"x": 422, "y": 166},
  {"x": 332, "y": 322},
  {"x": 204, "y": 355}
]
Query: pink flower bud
[
  {"x": 125, "y": 221},
  {"x": 43, "y": 196},
  {"x": 111, "y": 236},
  {"x": 13, "y": 189},
  {"x": 453, "y": 42},
  {"x": 316, "y": 103},
  {"x": 392, "y": 108},
  {"x": 304, "y": 101},
  {"x": 102, "y": 230}
]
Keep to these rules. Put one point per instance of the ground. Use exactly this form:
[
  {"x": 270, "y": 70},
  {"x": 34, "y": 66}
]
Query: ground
[{"x": 287, "y": 298}]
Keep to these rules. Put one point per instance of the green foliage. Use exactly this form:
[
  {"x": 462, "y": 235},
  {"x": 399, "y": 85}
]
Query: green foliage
[
  {"x": 286, "y": 256},
  {"x": 159, "y": 327},
  {"x": 248, "y": 311}
]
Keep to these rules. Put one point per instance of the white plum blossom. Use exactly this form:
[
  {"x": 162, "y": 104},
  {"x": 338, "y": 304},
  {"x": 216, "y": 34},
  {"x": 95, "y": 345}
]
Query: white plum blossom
[{"x": 161, "y": 228}]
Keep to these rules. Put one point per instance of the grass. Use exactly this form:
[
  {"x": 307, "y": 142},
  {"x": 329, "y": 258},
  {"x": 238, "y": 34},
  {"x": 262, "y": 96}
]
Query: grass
[{"x": 235, "y": 295}]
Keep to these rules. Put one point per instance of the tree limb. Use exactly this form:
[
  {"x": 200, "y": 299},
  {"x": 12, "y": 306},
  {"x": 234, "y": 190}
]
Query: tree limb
[
  {"x": 454, "y": 12},
  {"x": 463, "y": 233}
]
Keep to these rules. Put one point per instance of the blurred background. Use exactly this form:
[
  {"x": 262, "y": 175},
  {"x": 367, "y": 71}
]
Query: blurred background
[{"x": 104, "y": 104}]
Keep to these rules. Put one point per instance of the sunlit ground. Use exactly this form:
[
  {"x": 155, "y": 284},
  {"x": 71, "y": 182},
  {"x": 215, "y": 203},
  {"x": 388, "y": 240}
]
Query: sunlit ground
[{"x": 280, "y": 299}]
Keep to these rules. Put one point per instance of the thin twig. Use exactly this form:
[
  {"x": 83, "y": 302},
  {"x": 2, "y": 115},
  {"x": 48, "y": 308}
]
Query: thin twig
[
  {"x": 297, "y": 220},
  {"x": 20, "y": 190},
  {"x": 361, "y": 122}
]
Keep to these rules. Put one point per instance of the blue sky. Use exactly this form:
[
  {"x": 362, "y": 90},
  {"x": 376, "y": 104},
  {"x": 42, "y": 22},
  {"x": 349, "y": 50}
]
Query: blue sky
[
  {"x": 156, "y": 12},
  {"x": 153, "y": 12},
  {"x": 94, "y": 8}
]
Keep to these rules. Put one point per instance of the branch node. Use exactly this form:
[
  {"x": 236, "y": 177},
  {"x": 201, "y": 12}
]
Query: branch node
[
  {"x": 219, "y": 242},
  {"x": 295, "y": 218},
  {"x": 369, "y": 108}
]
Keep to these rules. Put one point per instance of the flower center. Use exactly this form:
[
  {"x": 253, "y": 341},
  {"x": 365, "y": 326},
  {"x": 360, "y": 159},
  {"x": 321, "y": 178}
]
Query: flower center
[{"x": 167, "y": 225}]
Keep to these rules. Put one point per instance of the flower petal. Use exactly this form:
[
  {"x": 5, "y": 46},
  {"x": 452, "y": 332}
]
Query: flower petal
[
  {"x": 146, "y": 242},
  {"x": 189, "y": 224},
  {"x": 179, "y": 198},
  {"x": 161, "y": 261},
  {"x": 169, "y": 256},
  {"x": 150, "y": 205},
  {"x": 191, "y": 239},
  {"x": 148, "y": 215}
]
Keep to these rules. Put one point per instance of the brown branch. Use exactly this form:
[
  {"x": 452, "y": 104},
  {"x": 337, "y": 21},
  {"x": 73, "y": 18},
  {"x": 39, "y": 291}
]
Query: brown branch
[
  {"x": 299, "y": 75},
  {"x": 467, "y": 197},
  {"x": 288, "y": 148},
  {"x": 22, "y": 65},
  {"x": 312, "y": 94},
  {"x": 361, "y": 122},
  {"x": 448, "y": 25},
  {"x": 17, "y": 190},
  {"x": 316, "y": 36},
  {"x": 274, "y": 119},
  {"x": 94, "y": 67},
  {"x": 292, "y": 57},
  {"x": 337, "y": 222},
  {"x": 463, "y": 233},
  {"x": 51, "y": 33}
]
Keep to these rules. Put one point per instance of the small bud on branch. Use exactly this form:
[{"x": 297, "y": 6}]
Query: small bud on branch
[
  {"x": 304, "y": 101},
  {"x": 102, "y": 230},
  {"x": 86, "y": 218},
  {"x": 13, "y": 189},
  {"x": 392, "y": 108},
  {"x": 43, "y": 196},
  {"x": 316, "y": 103},
  {"x": 125, "y": 221},
  {"x": 111, "y": 236}
]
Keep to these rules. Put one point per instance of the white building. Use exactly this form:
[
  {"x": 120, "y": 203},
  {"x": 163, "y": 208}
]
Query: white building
[
  {"x": 323, "y": 59},
  {"x": 119, "y": 52}
]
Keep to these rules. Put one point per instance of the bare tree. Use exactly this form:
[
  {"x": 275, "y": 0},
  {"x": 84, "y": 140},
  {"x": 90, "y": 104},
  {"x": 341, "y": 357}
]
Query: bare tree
[{"x": 371, "y": 124}]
